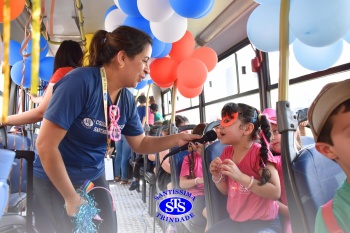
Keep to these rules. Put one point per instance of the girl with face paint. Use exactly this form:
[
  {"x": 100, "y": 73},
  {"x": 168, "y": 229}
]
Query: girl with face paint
[{"x": 246, "y": 172}]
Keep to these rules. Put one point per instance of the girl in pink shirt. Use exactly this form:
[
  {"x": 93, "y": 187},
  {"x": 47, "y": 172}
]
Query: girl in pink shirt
[
  {"x": 246, "y": 172},
  {"x": 191, "y": 179}
]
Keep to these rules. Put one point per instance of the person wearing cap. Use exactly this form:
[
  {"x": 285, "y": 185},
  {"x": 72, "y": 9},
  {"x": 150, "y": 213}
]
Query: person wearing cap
[
  {"x": 329, "y": 120},
  {"x": 275, "y": 148},
  {"x": 158, "y": 119}
]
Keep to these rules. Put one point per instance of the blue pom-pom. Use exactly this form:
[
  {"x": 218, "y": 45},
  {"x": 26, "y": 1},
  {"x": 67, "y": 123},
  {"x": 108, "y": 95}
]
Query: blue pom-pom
[{"x": 87, "y": 212}]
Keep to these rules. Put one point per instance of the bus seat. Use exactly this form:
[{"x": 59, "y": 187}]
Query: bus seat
[
  {"x": 149, "y": 176},
  {"x": 176, "y": 160},
  {"x": 17, "y": 200},
  {"x": 317, "y": 179},
  {"x": 215, "y": 201},
  {"x": 307, "y": 140},
  {"x": 176, "y": 164}
]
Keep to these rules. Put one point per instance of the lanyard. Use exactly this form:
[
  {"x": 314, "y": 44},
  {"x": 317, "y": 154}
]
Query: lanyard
[{"x": 105, "y": 104}]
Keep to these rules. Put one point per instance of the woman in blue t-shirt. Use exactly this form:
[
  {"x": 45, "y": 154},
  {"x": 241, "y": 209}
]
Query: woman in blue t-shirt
[{"x": 90, "y": 107}]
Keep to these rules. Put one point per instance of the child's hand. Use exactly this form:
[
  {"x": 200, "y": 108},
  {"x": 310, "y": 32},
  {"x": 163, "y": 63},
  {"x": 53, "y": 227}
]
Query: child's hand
[
  {"x": 199, "y": 180},
  {"x": 230, "y": 169},
  {"x": 214, "y": 167}
]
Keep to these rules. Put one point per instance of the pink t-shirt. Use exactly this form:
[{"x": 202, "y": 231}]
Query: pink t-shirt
[
  {"x": 242, "y": 204},
  {"x": 150, "y": 117},
  {"x": 286, "y": 222},
  {"x": 197, "y": 170}
]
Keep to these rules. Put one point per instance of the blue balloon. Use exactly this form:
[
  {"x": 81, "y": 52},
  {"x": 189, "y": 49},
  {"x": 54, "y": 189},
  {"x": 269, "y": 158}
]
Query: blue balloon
[
  {"x": 129, "y": 7},
  {"x": 157, "y": 47},
  {"x": 207, "y": 11},
  {"x": 16, "y": 73},
  {"x": 44, "y": 48},
  {"x": 317, "y": 58},
  {"x": 347, "y": 37},
  {"x": 46, "y": 68},
  {"x": 263, "y": 27},
  {"x": 141, "y": 85},
  {"x": 166, "y": 51},
  {"x": 139, "y": 23},
  {"x": 319, "y": 23},
  {"x": 114, "y": 7},
  {"x": 190, "y": 9},
  {"x": 15, "y": 54},
  {"x": 149, "y": 82}
]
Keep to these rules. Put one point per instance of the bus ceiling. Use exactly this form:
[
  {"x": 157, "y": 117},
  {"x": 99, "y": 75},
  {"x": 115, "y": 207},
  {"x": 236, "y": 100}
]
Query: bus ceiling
[{"x": 227, "y": 19}]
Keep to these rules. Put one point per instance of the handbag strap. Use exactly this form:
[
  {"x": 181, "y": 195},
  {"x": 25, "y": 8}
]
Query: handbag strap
[{"x": 329, "y": 218}]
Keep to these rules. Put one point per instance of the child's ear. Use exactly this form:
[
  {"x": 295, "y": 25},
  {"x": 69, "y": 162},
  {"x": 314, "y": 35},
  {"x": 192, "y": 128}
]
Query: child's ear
[
  {"x": 326, "y": 149},
  {"x": 248, "y": 129}
]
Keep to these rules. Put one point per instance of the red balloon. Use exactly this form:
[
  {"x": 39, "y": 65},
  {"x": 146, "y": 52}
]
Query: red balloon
[
  {"x": 163, "y": 70},
  {"x": 165, "y": 85},
  {"x": 190, "y": 92},
  {"x": 183, "y": 48},
  {"x": 191, "y": 73},
  {"x": 206, "y": 55},
  {"x": 16, "y": 8}
]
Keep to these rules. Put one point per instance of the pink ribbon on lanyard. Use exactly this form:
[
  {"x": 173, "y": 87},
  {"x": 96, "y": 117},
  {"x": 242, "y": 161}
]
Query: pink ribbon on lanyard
[{"x": 114, "y": 130}]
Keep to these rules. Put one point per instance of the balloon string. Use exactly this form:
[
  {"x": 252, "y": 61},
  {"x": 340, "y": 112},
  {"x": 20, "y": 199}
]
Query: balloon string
[{"x": 6, "y": 67}]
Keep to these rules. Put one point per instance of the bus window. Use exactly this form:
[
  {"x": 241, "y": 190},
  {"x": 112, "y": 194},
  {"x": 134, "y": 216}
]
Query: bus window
[
  {"x": 302, "y": 99},
  {"x": 248, "y": 80},
  {"x": 222, "y": 81}
]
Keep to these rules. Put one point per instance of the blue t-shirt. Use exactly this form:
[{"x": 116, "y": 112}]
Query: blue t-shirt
[
  {"x": 77, "y": 106},
  {"x": 141, "y": 110}
]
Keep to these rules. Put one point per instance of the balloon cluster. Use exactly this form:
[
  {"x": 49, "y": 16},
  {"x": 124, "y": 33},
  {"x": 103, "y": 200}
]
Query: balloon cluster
[
  {"x": 166, "y": 23},
  {"x": 186, "y": 65},
  {"x": 21, "y": 68},
  {"x": 317, "y": 28}
]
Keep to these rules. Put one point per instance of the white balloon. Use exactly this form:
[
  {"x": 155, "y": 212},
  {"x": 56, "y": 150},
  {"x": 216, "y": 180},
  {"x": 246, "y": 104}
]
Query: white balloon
[
  {"x": 155, "y": 10},
  {"x": 170, "y": 30},
  {"x": 114, "y": 19},
  {"x": 148, "y": 77},
  {"x": 116, "y": 2}
]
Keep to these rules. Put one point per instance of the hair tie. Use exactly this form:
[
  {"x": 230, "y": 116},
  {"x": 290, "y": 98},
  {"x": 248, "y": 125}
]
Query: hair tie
[{"x": 260, "y": 116}]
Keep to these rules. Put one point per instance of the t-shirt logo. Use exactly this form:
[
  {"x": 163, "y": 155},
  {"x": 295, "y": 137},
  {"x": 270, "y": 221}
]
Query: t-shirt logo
[{"x": 88, "y": 123}]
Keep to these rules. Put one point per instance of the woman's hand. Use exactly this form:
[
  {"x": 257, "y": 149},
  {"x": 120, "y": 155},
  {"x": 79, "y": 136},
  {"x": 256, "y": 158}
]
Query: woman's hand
[
  {"x": 185, "y": 138},
  {"x": 73, "y": 204},
  {"x": 215, "y": 167},
  {"x": 230, "y": 169}
]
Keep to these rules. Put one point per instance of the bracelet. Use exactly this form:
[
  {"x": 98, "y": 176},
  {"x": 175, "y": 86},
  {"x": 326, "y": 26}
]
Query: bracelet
[
  {"x": 251, "y": 182},
  {"x": 217, "y": 181}
]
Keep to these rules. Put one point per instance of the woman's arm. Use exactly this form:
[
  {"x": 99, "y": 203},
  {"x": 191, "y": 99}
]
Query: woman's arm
[
  {"x": 166, "y": 163},
  {"x": 34, "y": 115},
  {"x": 47, "y": 145},
  {"x": 35, "y": 99},
  {"x": 147, "y": 144}
]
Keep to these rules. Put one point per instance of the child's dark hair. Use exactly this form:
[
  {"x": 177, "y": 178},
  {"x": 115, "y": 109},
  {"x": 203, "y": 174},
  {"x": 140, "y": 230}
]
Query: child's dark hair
[
  {"x": 180, "y": 120},
  {"x": 246, "y": 115},
  {"x": 141, "y": 99},
  {"x": 199, "y": 129},
  {"x": 325, "y": 135}
]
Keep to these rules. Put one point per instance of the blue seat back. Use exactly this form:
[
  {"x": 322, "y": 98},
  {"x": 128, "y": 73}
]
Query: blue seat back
[
  {"x": 176, "y": 165},
  {"x": 19, "y": 169},
  {"x": 215, "y": 201},
  {"x": 317, "y": 179}
]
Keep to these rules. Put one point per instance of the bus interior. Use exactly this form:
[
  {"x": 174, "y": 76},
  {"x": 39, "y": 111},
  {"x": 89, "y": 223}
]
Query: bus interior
[{"x": 243, "y": 74}]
